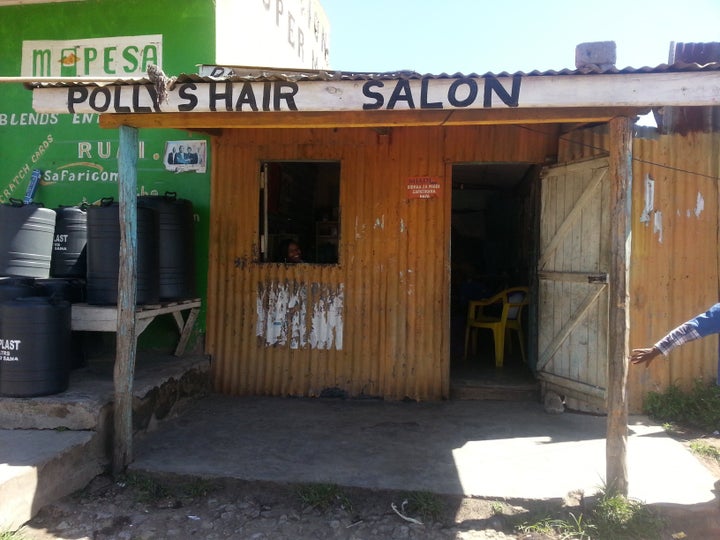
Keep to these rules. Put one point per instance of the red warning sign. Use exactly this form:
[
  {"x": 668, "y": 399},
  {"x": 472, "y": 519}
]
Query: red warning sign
[{"x": 423, "y": 187}]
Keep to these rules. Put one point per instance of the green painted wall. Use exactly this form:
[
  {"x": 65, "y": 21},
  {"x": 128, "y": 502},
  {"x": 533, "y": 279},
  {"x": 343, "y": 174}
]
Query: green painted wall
[{"x": 78, "y": 158}]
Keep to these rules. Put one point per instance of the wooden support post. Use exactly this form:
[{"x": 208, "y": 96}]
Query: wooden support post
[
  {"x": 127, "y": 282},
  {"x": 618, "y": 346}
]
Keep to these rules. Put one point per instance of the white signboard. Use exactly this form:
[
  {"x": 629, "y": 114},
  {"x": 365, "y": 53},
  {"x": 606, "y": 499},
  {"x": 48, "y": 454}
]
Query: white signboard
[
  {"x": 631, "y": 90},
  {"x": 122, "y": 56},
  {"x": 272, "y": 33}
]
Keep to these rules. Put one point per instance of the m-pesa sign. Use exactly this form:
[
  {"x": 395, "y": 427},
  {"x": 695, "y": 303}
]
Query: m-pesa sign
[
  {"x": 615, "y": 90},
  {"x": 122, "y": 56}
]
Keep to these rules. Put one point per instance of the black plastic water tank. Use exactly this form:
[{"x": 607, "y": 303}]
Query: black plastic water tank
[
  {"x": 26, "y": 236},
  {"x": 176, "y": 243},
  {"x": 70, "y": 289},
  {"x": 17, "y": 287},
  {"x": 34, "y": 346},
  {"x": 103, "y": 254},
  {"x": 69, "y": 243}
]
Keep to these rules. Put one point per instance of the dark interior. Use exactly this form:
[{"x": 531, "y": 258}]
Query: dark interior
[
  {"x": 492, "y": 248},
  {"x": 300, "y": 203}
]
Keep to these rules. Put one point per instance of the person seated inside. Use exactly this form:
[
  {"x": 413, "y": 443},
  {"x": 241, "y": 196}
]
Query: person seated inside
[{"x": 292, "y": 253}]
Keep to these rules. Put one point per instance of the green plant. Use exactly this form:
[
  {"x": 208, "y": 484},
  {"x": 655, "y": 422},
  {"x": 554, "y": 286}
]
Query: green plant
[
  {"x": 323, "y": 496},
  {"x": 11, "y": 535},
  {"x": 704, "y": 449},
  {"x": 539, "y": 520},
  {"x": 497, "y": 508},
  {"x": 572, "y": 527},
  {"x": 614, "y": 516},
  {"x": 699, "y": 407},
  {"x": 426, "y": 505},
  {"x": 545, "y": 526},
  {"x": 578, "y": 528},
  {"x": 197, "y": 487},
  {"x": 148, "y": 489}
]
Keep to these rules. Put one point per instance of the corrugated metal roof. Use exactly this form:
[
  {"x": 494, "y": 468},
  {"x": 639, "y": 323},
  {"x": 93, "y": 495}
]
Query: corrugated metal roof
[
  {"x": 262, "y": 74},
  {"x": 701, "y": 53},
  {"x": 258, "y": 73}
]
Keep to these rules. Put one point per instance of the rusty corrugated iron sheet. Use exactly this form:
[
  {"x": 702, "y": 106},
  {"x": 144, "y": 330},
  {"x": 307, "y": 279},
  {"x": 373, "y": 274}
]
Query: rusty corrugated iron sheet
[
  {"x": 689, "y": 119},
  {"x": 697, "y": 53},
  {"x": 261, "y": 74},
  {"x": 389, "y": 295},
  {"x": 674, "y": 268},
  {"x": 239, "y": 73}
]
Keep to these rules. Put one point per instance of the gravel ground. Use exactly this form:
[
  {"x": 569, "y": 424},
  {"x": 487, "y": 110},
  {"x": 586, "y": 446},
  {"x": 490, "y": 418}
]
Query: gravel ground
[
  {"x": 146, "y": 508},
  {"x": 141, "y": 507}
]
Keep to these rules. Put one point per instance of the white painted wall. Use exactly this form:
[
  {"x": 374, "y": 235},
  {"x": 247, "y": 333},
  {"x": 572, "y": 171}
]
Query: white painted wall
[{"x": 293, "y": 33}]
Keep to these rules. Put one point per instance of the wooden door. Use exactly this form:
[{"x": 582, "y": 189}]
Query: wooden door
[{"x": 574, "y": 259}]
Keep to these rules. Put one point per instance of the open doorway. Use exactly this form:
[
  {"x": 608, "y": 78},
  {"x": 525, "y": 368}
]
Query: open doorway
[{"x": 492, "y": 249}]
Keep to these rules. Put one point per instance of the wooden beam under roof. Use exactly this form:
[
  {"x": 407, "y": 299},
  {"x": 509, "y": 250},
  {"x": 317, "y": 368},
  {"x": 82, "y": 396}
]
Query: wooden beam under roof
[{"x": 337, "y": 119}]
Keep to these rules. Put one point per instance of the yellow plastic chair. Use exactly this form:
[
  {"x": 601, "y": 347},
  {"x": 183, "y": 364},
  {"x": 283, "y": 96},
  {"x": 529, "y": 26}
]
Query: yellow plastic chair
[{"x": 509, "y": 303}]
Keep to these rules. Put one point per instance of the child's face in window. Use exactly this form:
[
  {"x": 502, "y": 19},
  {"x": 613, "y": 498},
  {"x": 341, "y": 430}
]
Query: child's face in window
[{"x": 294, "y": 253}]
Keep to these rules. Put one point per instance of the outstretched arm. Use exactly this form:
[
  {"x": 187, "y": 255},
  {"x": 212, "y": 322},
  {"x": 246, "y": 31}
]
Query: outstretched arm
[
  {"x": 703, "y": 325},
  {"x": 644, "y": 356}
]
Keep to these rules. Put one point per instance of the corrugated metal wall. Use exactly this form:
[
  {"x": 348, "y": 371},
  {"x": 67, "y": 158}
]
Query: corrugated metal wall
[
  {"x": 674, "y": 268},
  {"x": 389, "y": 296}
]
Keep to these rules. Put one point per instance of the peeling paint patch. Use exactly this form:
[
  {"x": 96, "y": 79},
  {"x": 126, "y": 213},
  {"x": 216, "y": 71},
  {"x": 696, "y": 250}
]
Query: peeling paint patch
[
  {"x": 380, "y": 222},
  {"x": 327, "y": 321},
  {"x": 699, "y": 205},
  {"x": 649, "y": 200},
  {"x": 359, "y": 230},
  {"x": 296, "y": 308},
  {"x": 292, "y": 314},
  {"x": 657, "y": 225},
  {"x": 280, "y": 310},
  {"x": 649, "y": 213},
  {"x": 402, "y": 225}
]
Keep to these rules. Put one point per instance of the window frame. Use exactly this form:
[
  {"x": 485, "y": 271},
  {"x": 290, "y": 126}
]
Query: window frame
[{"x": 330, "y": 223}]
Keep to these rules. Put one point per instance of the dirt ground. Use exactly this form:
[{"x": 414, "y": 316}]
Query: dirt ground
[
  {"x": 688, "y": 436},
  {"x": 148, "y": 508}
]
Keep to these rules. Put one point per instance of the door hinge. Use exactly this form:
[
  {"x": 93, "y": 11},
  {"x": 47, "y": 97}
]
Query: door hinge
[{"x": 598, "y": 278}]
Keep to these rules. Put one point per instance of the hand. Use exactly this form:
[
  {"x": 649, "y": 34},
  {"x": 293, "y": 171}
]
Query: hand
[{"x": 644, "y": 356}]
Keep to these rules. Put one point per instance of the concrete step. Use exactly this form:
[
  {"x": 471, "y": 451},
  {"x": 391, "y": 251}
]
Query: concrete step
[
  {"x": 51, "y": 446},
  {"x": 477, "y": 378},
  {"x": 474, "y": 390},
  {"x": 37, "y": 467}
]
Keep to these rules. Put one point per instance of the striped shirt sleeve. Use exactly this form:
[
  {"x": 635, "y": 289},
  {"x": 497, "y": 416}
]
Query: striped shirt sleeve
[
  {"x": 703, "y": 325},
  {"x": 679, "y": 336}
]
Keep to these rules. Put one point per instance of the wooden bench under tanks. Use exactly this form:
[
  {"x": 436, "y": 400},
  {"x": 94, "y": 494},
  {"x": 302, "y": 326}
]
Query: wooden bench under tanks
[{"x": 92, "y": 318}]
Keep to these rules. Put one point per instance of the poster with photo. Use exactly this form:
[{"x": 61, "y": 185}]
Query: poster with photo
[{"x": 181, "y": 156}]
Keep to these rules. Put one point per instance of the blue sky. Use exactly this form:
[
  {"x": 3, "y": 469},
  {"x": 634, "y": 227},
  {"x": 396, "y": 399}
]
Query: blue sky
[{"x": 449, "y": 36}]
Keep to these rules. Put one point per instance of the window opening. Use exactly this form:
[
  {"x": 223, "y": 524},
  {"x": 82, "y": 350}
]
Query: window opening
[{"x": 299, "y": 212}]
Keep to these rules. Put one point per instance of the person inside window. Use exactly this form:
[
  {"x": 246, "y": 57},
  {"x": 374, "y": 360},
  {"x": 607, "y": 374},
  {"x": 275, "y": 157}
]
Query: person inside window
[{"x": 292, "y": 253}]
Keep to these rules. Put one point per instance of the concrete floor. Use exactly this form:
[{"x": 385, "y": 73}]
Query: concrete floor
[
  {"x": 493, "y": 449},
  {"x": 484, "y": 448}
]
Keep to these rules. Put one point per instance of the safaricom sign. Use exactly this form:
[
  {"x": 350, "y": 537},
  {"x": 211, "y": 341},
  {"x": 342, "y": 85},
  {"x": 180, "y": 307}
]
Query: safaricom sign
[{"x": 471, "y": 93}]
